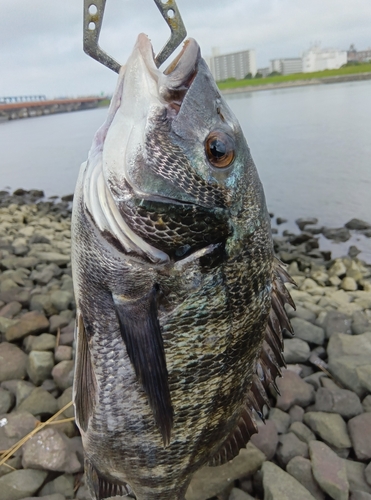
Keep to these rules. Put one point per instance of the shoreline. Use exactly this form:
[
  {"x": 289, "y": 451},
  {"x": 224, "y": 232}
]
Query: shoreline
[
  {"x": 317, "y": 425},
  {"x": 299, "y": 83}
]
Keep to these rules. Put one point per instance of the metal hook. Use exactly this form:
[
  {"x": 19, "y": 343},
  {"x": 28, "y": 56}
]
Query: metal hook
[{"x": 93, "y": 19}]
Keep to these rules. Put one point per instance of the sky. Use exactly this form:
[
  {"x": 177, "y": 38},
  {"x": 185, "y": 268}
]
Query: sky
[{"x": 41, "y": 40}]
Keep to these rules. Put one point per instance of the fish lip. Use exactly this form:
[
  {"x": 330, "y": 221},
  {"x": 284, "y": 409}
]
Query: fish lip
[{"x": 174, "y": 82}]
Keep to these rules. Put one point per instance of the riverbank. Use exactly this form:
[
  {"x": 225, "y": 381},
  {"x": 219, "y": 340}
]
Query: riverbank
[
  {"x": 249, "y": 87},
  {"x": 316, "y": 440}
]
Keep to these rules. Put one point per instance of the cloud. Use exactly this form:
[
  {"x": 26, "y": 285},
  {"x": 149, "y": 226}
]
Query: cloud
[{"x": 41, "y": 41}]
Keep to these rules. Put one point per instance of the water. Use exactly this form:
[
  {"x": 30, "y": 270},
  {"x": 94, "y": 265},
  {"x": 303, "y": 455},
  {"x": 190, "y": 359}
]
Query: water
[{"x": 312, "y": 147}]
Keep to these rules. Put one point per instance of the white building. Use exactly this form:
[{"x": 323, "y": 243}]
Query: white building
[
  {"x": 287, "y": 66},
  {"x": 236, "y": 65},
  {"x": 317, "y": 59}
]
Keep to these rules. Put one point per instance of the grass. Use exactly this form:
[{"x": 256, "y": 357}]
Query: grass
[{"x": 348, "y": 70}]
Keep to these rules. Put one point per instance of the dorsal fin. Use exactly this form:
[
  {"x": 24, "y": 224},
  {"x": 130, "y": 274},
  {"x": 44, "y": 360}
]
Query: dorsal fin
[{"x": 268, "y": 367}]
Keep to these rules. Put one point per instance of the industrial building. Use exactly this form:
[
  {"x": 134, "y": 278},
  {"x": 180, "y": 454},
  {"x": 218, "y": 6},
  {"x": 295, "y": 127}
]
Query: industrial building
[
  {"x": 317, "y": 59},
  {"x": 355, "y": 55}
]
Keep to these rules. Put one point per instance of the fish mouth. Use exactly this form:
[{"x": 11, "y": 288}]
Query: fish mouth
[{"x": 174, "y": 82}]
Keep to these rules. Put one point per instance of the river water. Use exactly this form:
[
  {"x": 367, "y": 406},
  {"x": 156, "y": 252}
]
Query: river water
[{"x": 312, "y": 147}]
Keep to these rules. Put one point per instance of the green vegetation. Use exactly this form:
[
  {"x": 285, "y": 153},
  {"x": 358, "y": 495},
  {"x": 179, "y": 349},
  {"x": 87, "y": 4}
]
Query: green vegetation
[{"x": 232, "y": 83}]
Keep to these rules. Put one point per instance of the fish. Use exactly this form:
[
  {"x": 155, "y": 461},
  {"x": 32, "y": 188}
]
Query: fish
[{"x": 180, "y": 299}]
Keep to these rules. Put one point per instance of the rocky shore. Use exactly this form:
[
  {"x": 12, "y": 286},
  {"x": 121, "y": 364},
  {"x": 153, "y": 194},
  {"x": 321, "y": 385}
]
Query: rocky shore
[{"x": 316, "y": 442}]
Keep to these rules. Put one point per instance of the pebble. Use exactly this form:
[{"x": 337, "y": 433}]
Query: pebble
[
  {"x": 13, "y": 362},
  {"x": 301, "y": 469},
  {"x": 330, "y": 427},
  {"x": 31, "y": 323},
  {"x": 296, "y": 351},
  {"x": 279, "y": 485},
  {"x": 281, "y": 420},
  {"x": 289, "y": 447},
  {"x": 39, "y": 402},
  {"x": 360, "y": 433},
  {"x": 40, "y": 365},
  {"x": 294, "y": 391},
  {"x": 266, "y": 440},
  {"x": 344, "y": 402},
  {"x": 21, "y": 483}
]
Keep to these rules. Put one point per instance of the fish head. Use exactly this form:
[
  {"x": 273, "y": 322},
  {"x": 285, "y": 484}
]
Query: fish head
[{"x": 174, "y": 157}]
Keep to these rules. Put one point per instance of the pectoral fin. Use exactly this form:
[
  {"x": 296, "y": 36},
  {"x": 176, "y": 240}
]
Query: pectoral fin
[{"x": 140, "y": 330}]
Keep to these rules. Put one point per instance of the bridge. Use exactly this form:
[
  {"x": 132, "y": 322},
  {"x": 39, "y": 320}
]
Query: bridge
[{"x": 12, "y": 108}]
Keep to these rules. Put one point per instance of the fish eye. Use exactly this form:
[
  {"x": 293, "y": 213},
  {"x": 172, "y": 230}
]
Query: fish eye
[{"x": 219, "y": 149}]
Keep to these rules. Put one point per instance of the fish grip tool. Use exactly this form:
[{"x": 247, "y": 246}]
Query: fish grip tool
[{"x": 93, "y": 19}]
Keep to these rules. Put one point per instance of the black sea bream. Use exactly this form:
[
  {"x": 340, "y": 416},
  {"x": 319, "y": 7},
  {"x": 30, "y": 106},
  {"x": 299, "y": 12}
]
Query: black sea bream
[{"x": 180, "y": 299}]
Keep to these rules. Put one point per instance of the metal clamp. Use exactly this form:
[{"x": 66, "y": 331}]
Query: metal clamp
[{"x": 93, "y": 19}]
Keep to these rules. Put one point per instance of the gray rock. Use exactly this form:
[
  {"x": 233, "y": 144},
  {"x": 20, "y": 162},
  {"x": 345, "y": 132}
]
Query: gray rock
[
  {"x": 360, "y": 495},
  {"x": 294, "y": 391},
  {"x": 44, "y": 342},
  {"x": 31, "y": 323},
  {"x": 329, "y": 471},
  {"x": 305, "y": 221},
  {"x": 341, "y": 401},
  {"x": 63, "y": 353},
  {"x": 19, "y": 388},
  {"x": 237, "y": 494},
  {"x": 55, "y": 496},
  {"x": 281, "y": 420},
  {"x": 302, "y": 432},
  {"x": 349, "y": 361},
  {"x": 27, "y": 343},
  {"x": 10, "y": 310},
  {"x": 39, "y": 402},
  {"x": 66, "y": 398},
  {"x": 42, "y": 302},
  {"x": 42, "y": 277},
  {"x": 290, "y": 446},
  {"x": 49, "y": 450},
  {"x": 307, "y": 331},
  {"x": 330, "y": 427},
  {"x": 366, "y": 403},
  {"x": 40, "y": 365},
  {"x": 209, "y": 481},
  {"x": 279, "y": 485},
  {"x": 301, "y": 469},
  {"x": 361, "y": 323},
  {"x": 337, "y": 322},
  {"x": 296, "y": 351},
  {"x": 54, "y": 258},
  {"x": 12, "y": 362},
  {"x": 6, "y": 400},
  {"x": 15, "y": 462},
  {"x": 6, "y": 323},
  {"x": 21, "y": 483},
  {"x": 62, "y": 374},
  {"x": 349, "y": 284},
  {"x": 315, "y": 379},
  {"x": 14, "y": 427},
  {"x": 57, "y": 322},
  {"x": 356, "y": 476},
  {"x": 336, "y": 234},
  {"x": 296, "y": 413},
  {"x": 63, "y": 485},
  {"x": 360, "y": 433},
  {"x": 368, "y": 474},
  {"x": 61, "y": 299},
  {"x": 16, "y": 295},
  {"x": 266, "y": 440},
  {"x": 357, "y": 224},
  {"x": 302, "y": 313}
]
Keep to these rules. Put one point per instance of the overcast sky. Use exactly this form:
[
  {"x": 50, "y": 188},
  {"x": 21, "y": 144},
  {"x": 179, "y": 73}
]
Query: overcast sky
[{"x": 41, "y": 40}]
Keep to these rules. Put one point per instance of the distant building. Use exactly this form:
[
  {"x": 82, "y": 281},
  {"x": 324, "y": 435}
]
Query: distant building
[
  {"x": 317, "y": 59},
  {"x": 263, "y": 72},
  {"x": 287, "y": 66},
  {"x": 355, "y": 55},
  {"x": 236, "y": 65}
]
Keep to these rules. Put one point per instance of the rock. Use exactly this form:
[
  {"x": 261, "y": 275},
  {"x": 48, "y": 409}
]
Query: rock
[
  {"x": 281, "y": 420},
  {"x": 360, "y": 433},
  {"x": 349, "y": 361},
  {"x": 6, "y": 323},
  {"x": 42, "y": 302},
  {"x": 304, "y": 221},
  {"x": 296, "y": 351},
  {"x": 63, "y": 353},
  {"x": 337, "y": 322},
  {"x": 330, "y": 427},
  {"x": 49, "y": 450},
  {"x": 44, "y": 342},
  {"x": 338, "y": 268},
  {"x": 57, "y": 322},
  {"x": 209, "y": 481},
  {"x": 53, "y": 258},
  {"x": 39, "y": 402},
  {"x": 62, "y": 374},
  {"x": 360, "y": 495},
  {"x": 307, "y": 331},
  {"x": 329, "y": 471},
  {"x": 367, "y": 473},
  {"x": 237, "y": 494},
  {"x": 10, "y": 310},
  {"x": 345, "y": 403},
  {"x": 6, "y": 400},
  {"x": 19, "y": 388},
  {"x": 302, "y": 432},
  {"x": 63, "y": 400},
  {"x": 296, "y": 413},
  {"x": 301, "y": 469},
  {"x": 266, "y": 439},
  {"x": 40, "y": 365},
  {"x": 349, "y": 284},
  {"x": 16, "y": 295},
  {"x": 290, "y": 446},
  {"x": 361, "y": 323},
  {"x": 55, "y": 496},
  {"x": 280, "y": 220},
  {"x": 14, "y": 427},
  {"x": 357, "y": 224},
  {"x": 294, "y": 391},
  {"x": 336, "y": 234},
  {"x": 356, "y": 476},
  {"x": 315, "y": 379},
  {"x": 366, "y": 403},
  {"x": 30, "y": 323},
  {"x": 12, "y": 362},
  {"x": 278, "y": 485},
  {"x": 63, "y": 485},
  {"x": 302, "y": 313},
  {"x": 21, "y": 483},
  {"x": 61, "y": 299}
]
